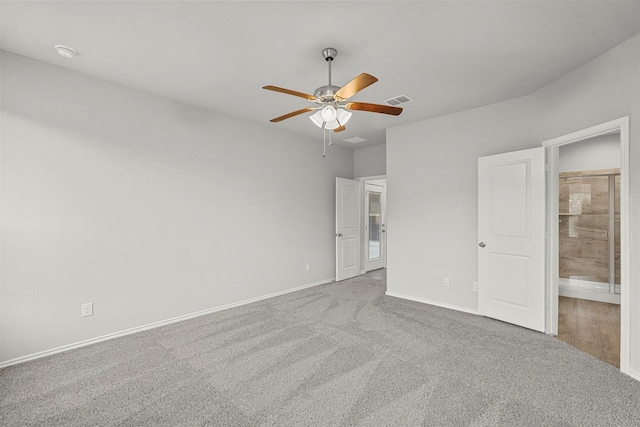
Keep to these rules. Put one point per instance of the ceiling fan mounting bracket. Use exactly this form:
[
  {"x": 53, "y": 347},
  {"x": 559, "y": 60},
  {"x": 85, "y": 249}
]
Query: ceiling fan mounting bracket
[{"x": 329, "y": 54}]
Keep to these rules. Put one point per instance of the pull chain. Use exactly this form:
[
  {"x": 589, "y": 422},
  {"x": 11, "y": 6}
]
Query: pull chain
[{"x": 324, "y": 142}]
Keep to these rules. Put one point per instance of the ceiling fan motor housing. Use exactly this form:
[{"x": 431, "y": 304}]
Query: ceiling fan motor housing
[{"x": 325, "y": 93}]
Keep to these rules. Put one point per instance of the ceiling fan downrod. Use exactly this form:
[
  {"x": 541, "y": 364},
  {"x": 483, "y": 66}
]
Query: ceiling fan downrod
[
  {"x": 329, "y": 54},
  {"x": 325, "y": 94}
]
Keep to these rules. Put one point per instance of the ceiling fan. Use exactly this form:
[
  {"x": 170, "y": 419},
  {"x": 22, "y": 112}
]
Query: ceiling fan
[{"x": 332, "y": 109}]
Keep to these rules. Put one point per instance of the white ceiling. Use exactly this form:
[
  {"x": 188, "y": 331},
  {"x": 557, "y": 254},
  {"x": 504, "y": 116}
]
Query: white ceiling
[{"x": 447, "y": 56}]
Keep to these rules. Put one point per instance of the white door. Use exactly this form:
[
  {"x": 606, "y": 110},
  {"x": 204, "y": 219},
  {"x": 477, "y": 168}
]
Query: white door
[
  {"x": 511, "y": 233},
  {"x": 374, "y": 229},
  {"x": 347, "y": 228}
]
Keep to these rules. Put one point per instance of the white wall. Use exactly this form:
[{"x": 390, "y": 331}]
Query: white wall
[
  {"x": 146, "y": 207},
  {"x": 600, "y": 152},
  {"x": 370, "y": 161},
  {"x": 432, "y": 175},
  {"x": 432, "y": 200}
]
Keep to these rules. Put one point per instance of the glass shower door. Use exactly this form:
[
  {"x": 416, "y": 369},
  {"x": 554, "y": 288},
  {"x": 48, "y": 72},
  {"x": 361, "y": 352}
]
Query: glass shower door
[{"x": 589, "y": 230}]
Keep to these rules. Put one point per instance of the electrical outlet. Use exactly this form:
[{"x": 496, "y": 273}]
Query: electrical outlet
[
  {"x": 87, "y": 309},
  {"x": 446, "y": 281},
  {"x": 475, "y": 286},
  {"x": 308, "y": 267}
]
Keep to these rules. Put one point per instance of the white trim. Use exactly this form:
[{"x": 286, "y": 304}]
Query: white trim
[
  {"x": 584, "y": 289},
  {"x": 589, "y": 295},
  {"x": 154, "y": 325},
  {"x": 598, "y": 130},
  {"x": 633, "y": 374},
  {"x": 588, "y": 285},
  {"x": 553, "y": 257},
  {"x": 625, "y": 248},
  {"x": 621, "y": 125},
  {"x": 371, "y": 178},
  {"x": 437, "y": 304}
]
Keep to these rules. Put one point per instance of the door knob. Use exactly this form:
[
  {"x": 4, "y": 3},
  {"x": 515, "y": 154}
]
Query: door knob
[
  {"x": 482, "y": 244},
  {"x": 338, "y": 234}
]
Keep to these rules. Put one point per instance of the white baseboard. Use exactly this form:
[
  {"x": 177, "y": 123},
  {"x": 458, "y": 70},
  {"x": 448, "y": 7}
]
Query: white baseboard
[
  {"x": 437, "y": 304},
  {"x": 633, "y": 374},
  {"x": 153, "y": 325}
]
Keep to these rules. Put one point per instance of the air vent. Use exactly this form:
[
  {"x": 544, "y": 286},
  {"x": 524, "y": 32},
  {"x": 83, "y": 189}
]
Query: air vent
[
  {"x": 401, "y": 99},
  {"x": 354, "y": 140}
]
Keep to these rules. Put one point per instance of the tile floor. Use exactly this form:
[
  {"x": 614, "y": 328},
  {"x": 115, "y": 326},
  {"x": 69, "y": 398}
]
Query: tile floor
[{"x": 591, "y": 326}]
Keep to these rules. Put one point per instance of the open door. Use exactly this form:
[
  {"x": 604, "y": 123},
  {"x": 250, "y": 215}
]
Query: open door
[
  {"x": 511, "y": 232},
  {"x": 347, "y": 228}
]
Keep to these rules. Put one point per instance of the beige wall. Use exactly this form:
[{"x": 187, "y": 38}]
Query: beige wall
[
  {"x": 146, "y": 207},
  {"x": 432, "y": 175}
]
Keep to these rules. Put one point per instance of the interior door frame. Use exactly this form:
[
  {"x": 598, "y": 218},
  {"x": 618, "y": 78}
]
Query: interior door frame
[{"x": 552, "y": 148}]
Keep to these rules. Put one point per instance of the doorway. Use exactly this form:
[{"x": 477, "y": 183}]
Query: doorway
[
  {"x": 361, "y": 244},
  {"x": 591, "y": 236},
  {"x": 589, "y": 246}
]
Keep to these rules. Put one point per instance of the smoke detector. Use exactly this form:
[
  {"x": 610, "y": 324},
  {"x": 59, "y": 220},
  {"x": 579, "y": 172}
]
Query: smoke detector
[{"x": 66, "y": 51}]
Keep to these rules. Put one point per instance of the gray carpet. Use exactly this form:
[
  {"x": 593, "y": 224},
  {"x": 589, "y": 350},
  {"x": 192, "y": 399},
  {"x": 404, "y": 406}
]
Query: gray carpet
[{"x": 337, "y": 354}]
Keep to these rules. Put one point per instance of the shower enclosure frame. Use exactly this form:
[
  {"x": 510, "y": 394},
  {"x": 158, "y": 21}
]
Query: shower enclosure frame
[{"x": 552, "y": 151}]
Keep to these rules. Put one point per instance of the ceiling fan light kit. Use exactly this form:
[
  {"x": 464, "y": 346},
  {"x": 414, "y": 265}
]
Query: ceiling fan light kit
[
  {"x": 329, "y": 113},
  {"x": 331, "y": 110}
]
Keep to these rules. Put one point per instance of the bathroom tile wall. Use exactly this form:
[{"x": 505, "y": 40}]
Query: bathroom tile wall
[{"x": 584, "y": 225}]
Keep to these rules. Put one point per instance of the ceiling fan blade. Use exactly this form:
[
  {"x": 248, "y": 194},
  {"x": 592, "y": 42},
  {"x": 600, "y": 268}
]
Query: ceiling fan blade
[
  {"x": 373, "y": 108},
  {"x": 339, "y": 128},
  {"x": 355, "y": 86},
  {"x": 292, "y": 114},
  {"x": 290, "y": 92}
]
